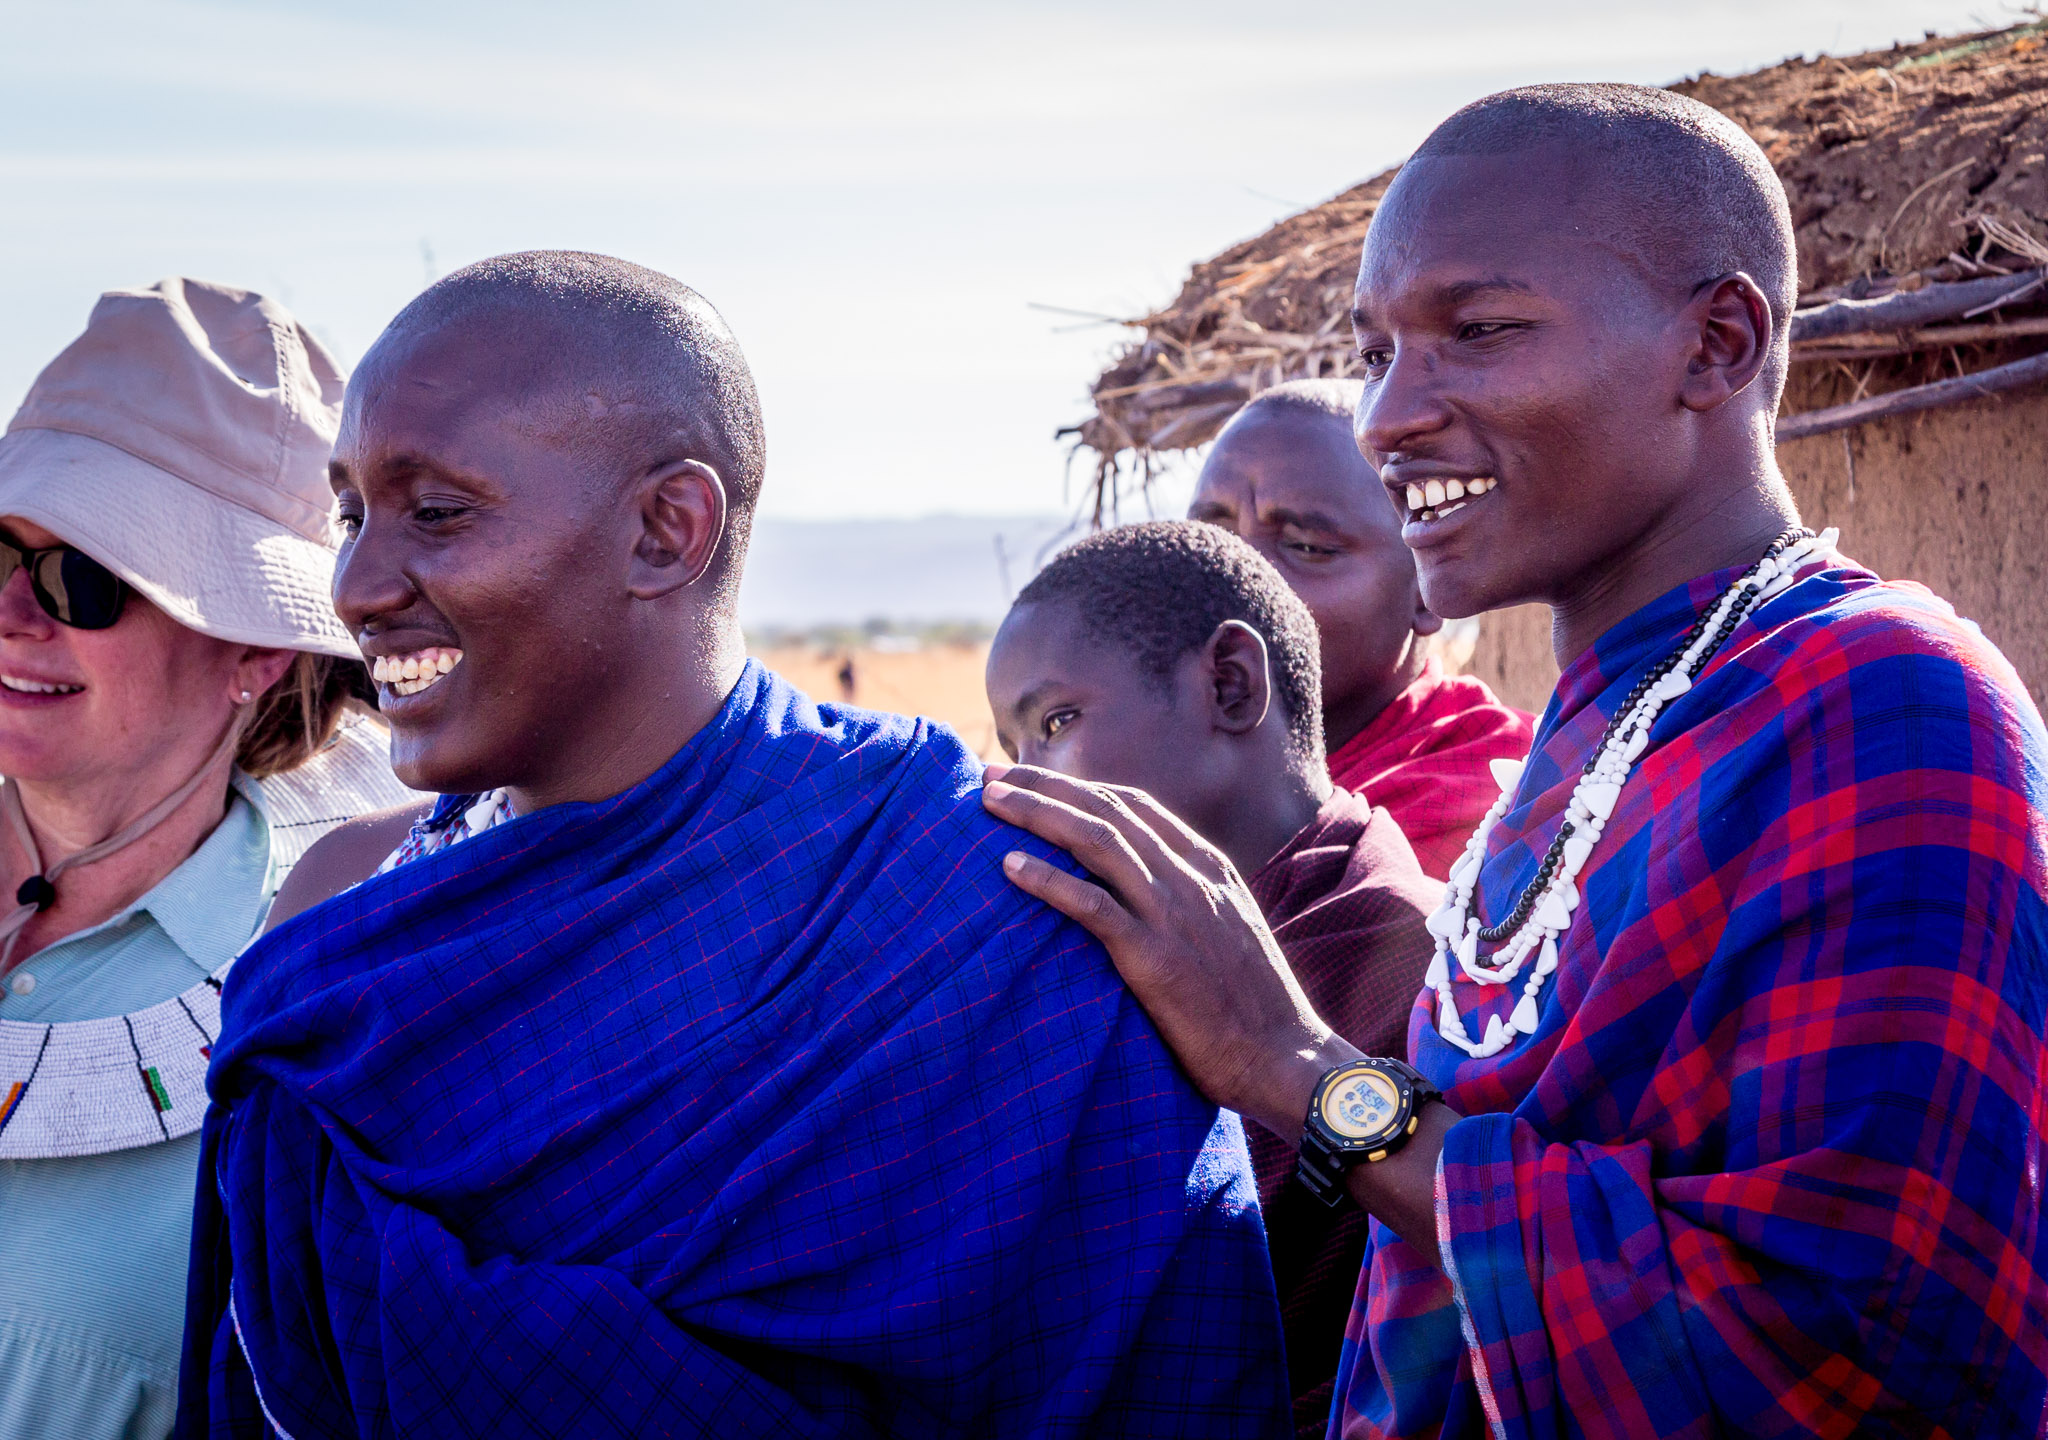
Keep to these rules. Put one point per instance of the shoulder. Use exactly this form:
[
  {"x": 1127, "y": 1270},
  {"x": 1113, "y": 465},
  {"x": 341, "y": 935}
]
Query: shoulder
[
  {"x": 1384, "y": 859},
  {"x": 909, "y": 784},
  {"x": 1866, "y": 718},
  {"x": 1351, "y": 869},
  {"x": 1852, "y": 610},
  {"x": 864, "y": 760},
  {"x": 1889, "y": 656},
  {"x": 350, "y": 777},
  {"x": 346, "y": 855},
  {"x": 888, "y": 810},
  {"x": 910, "y": 787}
]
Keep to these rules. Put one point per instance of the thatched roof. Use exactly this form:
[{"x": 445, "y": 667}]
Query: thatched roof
[{"x": 1919, "y": 166}]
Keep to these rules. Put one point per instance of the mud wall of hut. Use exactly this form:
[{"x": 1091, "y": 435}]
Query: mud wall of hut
[{"x": 1955, "y": 499}]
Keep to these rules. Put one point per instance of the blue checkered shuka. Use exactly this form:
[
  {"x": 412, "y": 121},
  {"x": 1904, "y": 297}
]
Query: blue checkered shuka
[{"x": 753, "y": 1101}]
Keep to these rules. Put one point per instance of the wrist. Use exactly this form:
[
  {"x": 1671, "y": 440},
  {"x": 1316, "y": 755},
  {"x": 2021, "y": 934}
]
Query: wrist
[
  {"x": 1400, "y": 1191},
  {"x": 1362, "y": 1117},
  {"x": 1277, "y": 1084}
]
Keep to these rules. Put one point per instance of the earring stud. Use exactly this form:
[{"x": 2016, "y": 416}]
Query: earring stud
[{"x": 247, "y": 697}]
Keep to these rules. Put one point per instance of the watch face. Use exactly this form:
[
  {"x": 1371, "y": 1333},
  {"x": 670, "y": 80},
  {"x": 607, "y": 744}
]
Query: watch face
[{"x": 1361, "y": 1105}]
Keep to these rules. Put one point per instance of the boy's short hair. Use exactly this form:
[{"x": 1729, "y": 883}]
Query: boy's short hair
[{"x": 1158, "y": 591}]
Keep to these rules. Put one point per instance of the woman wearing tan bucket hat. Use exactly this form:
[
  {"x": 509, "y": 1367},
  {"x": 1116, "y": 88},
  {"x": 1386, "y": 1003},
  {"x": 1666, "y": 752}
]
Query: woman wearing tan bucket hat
[{"x": 175, "y": 729}]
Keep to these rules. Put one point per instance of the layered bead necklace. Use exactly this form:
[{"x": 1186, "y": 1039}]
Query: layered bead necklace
[{"x": 1544, "y": 910}]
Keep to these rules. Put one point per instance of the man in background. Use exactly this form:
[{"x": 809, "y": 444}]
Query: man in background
[{"x": 1287, "y": 476}]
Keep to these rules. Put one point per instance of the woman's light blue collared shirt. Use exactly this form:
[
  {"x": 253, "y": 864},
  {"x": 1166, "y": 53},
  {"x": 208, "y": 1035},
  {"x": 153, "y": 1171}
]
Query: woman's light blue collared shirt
[{"x": 93, "y": 1249}]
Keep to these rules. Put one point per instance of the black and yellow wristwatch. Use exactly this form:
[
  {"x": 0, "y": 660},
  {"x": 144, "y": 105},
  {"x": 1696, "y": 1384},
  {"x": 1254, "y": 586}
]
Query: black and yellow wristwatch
[{"x": 1363, "y": 1110}]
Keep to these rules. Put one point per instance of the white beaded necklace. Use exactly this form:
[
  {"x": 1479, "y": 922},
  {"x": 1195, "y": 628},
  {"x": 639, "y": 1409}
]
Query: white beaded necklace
[{"x": 1544, "y": 911}]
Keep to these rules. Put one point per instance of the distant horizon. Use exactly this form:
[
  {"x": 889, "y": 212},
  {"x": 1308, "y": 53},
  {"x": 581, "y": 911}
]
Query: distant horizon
[{"x": 808, "y": 574}]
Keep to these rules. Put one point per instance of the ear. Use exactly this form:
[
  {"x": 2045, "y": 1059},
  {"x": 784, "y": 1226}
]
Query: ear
[
  {"x": 1240, "y": 684},
  {"x": 682, "y": 522},
  {"x": 256, "y": 670},
  {"x": 1729, "y": 327}
]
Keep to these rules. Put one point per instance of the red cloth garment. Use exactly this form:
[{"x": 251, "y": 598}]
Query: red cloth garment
[
  {"x": 1346, "y": 901},
  {"x": 1424, "y": 758}
]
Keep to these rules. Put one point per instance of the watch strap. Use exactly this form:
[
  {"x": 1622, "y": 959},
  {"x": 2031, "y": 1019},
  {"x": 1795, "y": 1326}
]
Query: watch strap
[{"x": 1320, "y": 1173}]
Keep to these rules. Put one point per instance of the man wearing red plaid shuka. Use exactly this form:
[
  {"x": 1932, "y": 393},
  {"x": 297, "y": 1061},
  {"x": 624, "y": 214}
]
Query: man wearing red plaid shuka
[{"x": 1726, "y": 1109}]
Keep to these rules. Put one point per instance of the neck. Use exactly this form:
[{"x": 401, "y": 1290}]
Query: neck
[
  {"x": 1258, "y": 823},
  {"x": 1732, "y": 527},
  {"x": 641, "y": 724},
  {"x": 66, "y": 817},
  {"x": 1345, "y": 720}
]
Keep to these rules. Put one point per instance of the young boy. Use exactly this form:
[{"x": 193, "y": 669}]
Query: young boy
[
  {"x": 1171, "y": 657},
  {"x": 1287, "y": 477}
]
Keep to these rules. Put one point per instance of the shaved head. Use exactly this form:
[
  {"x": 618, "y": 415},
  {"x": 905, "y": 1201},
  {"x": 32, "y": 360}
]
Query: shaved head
[
  {"x": 622, "y": 362},
  {"x": 1574, "y": 306},
  {"x": 1335, "y": 398},
  {"x": 544, "y": 472},
  {"x": 1286, "y": 476},
  {"x": 1677, "y": 183}
]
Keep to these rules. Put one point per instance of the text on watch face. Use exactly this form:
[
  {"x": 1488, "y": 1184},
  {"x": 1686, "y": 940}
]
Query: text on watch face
[{"x": 1359, "y": 1107}]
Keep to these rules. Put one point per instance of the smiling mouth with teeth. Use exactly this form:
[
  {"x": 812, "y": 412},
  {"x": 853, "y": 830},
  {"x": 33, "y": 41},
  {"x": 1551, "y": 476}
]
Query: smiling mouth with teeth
[
  {"x": 410, "y": 674},
  {"x": 1435, "y": 499},
  {"x": 37, "y": 687}
]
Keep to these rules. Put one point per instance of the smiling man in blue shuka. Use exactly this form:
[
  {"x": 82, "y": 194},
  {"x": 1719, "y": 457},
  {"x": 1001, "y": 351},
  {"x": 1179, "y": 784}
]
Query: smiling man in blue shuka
[{"x": 689, "y": 1069}]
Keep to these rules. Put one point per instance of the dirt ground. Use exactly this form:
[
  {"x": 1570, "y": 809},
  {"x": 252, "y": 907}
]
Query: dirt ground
[{"x": 942, "y": 681}]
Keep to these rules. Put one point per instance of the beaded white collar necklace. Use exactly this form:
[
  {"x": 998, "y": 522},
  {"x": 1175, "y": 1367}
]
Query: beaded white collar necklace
[
  {"x": 87, "y": 1087},
  {"x": 1544, "y": 910},
  {"x": 84, "y": 1087}
]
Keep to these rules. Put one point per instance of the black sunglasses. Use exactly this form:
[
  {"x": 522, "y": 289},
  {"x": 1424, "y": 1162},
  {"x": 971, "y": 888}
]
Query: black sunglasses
[{"x": 73, "y": 588}]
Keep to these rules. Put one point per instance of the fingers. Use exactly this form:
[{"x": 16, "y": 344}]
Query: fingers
[
  {"x": 1152, "y": 832},
  {"x": 1090, "y": 906},
  {"x": 1172, "y": 831},
  {"x": 1101, "y": 846}
]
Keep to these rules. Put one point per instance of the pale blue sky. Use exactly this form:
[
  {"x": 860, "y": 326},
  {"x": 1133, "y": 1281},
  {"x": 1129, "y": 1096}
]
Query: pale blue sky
[{"x": 871, "y": 193}]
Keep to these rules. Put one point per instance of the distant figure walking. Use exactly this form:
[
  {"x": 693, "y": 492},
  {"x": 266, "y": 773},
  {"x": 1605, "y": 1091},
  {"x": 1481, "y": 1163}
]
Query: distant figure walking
[{"x": 846, "y": 678}]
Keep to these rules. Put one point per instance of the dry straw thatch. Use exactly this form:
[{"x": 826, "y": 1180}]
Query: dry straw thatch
[{"x": 1919, "y": 186}]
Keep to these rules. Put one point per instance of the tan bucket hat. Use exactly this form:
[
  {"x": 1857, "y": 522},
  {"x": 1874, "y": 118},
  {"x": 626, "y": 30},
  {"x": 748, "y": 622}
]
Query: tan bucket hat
[{"x": 182, "y": 442}]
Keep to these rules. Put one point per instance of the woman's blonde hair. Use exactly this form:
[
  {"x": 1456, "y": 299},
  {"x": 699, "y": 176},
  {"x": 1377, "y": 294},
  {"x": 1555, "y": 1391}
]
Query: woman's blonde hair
[{"x": 295, "y": 718}]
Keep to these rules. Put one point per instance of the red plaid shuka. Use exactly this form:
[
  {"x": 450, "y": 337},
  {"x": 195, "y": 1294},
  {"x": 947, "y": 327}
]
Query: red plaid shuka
[
  {"x": 1424, "y": 758},
  {"x": 1346, "y": 901},
  {"x": 1772, "y": 1162}
]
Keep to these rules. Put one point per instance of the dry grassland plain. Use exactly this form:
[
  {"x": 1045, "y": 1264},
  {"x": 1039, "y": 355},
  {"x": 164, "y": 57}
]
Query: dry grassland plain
[{"x": 941, "y": 681}]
